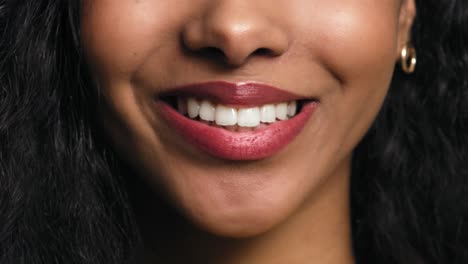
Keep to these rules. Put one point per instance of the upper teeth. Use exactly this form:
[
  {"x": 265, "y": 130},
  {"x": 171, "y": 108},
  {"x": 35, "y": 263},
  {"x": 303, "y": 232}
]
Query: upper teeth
[{"x": 244, "y": 117}]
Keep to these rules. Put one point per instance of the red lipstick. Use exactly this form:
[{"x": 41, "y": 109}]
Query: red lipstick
[
  {"x": 243, "y": 94},
  {"x": 216, "y": 141}
]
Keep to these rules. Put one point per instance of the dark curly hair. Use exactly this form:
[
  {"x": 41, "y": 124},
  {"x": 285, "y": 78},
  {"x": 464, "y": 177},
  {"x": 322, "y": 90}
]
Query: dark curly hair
[{"x": 63, "y": 194}]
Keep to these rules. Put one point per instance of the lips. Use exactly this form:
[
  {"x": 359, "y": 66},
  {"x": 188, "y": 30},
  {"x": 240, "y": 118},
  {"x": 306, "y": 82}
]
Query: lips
[{"x": 229, "y": 143}]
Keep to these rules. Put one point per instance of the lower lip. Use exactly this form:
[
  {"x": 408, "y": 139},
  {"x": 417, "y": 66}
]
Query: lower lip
[{"x": 224, "y": 144}]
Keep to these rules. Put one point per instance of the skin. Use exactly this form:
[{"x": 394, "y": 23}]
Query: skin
[{"x": 290, "y": 208}]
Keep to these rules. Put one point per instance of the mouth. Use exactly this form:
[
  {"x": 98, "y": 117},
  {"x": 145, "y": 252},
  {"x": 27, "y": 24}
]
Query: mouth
[
  {"x": 232, "y": 118},
  {"x": 246, "y": 121}
]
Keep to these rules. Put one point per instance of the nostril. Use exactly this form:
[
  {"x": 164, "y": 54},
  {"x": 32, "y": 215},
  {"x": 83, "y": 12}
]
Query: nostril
[
  {"x": 263, "y": 52},
  {"x": 210, "y": 53}
]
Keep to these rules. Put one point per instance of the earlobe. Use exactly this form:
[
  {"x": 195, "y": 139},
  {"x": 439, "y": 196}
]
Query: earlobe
[{"x": 405, "y": 23}]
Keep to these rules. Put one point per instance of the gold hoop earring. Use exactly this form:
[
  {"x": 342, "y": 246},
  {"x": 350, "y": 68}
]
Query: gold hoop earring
[{"x": 408, "y": 58}]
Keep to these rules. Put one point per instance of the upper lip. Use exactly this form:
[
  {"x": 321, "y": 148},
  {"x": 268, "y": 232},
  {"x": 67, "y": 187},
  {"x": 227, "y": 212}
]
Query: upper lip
[{"x": 235, "y": 94}]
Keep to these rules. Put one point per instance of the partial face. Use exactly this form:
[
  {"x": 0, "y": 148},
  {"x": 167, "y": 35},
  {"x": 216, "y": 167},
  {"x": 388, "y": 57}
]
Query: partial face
[{"x": 194, "y": 93}]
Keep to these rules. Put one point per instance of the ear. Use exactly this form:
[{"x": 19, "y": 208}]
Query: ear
[{"x": 405, "y": 22}]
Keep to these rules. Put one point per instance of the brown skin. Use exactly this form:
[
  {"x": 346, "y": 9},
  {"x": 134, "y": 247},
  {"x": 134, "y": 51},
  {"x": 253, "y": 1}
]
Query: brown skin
[{"x": 289, "y": 208}]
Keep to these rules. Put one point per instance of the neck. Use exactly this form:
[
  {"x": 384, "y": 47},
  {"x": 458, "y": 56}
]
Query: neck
[{"x": 318, "y": 232}]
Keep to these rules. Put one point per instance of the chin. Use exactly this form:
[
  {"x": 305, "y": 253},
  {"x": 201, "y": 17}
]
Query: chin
[
  {"x": 240, "y": 212},
  {"x": 237, "y": 223}
]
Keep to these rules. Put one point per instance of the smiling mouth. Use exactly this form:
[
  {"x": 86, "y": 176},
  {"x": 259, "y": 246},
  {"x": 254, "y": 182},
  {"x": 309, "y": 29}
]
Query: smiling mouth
[
  {"x": 232, "y": 118},
  {"x": 246, "y": 121}
]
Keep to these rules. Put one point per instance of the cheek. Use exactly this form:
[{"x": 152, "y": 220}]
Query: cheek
[
  {"x": 117, "y": 38},
  {"x": 358, "y": 41},
  {"x": 360, "y": 51}
]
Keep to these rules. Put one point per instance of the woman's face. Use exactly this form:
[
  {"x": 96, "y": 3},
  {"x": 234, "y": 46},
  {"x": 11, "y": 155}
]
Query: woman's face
[{"x": 235, "y": 176}]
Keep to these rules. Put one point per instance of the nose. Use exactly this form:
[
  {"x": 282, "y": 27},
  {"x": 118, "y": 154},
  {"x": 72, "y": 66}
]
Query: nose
[{"x": 236, "y": 30}]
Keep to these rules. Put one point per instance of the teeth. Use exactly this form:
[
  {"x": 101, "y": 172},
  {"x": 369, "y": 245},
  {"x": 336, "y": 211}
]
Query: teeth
[
  {"x": 282, "y": 111},
  {"x": 193, "y": 108},
  {"x": 292, "y": 109},
  {"x": 207, "y": 111},
  {"x": 249, "y": 117},
  {"x": 268, "y": 113},
  {"x": 231, "y": 118},
  {"x": 226, "y": 116}
]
